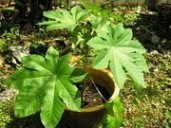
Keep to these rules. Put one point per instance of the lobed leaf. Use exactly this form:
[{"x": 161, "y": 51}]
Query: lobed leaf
[
  {"x": 63, "y": 19},
  {"x": 123, "y": 55},
  {"x": 44, "y": 85}
]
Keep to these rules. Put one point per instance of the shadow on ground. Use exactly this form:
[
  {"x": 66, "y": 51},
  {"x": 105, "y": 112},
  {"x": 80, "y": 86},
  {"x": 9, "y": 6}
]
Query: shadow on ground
[
  {"x": 28, "y": 122},
  {"x": 153, "y": 30}
]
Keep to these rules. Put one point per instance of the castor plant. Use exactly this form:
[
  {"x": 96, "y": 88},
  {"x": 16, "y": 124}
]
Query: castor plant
[{"x": 45, "y": 83}]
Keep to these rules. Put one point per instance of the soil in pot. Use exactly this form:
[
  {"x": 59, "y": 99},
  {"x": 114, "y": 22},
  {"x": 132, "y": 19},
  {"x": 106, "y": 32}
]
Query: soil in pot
[{"x": 93, "y": 95}]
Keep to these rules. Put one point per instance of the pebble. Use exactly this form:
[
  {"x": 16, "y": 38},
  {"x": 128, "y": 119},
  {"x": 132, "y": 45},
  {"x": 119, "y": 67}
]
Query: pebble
[
  {"x": 159, "y": 47},
  {"x": 138, "y": 9},
  {"x": 156, "y": 70},
  {"x": 163, "y": 41},
  {"x": 155, "y": 39},
  {"x": 154, "y": 52}
]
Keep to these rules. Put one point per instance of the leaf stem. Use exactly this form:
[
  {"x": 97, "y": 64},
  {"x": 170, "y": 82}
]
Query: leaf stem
[{"x": 98, "y": 90}]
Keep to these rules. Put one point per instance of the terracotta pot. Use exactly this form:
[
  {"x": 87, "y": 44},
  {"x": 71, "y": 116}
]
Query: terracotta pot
[{"x": 91, "y": 116}]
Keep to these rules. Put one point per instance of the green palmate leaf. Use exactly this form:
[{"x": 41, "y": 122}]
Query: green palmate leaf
[
  {"x": 99, "y": 25},
  {"x": 44, "y": 85},
  {"x": 61, "y": 19},
  {"x": 123, "y": 55},
  {"x": 114, "y": 115}
]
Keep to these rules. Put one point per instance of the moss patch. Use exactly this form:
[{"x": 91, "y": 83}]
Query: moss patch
[
  {"x": 150, "y": 107},
  {"x": 5, "y": 113}
]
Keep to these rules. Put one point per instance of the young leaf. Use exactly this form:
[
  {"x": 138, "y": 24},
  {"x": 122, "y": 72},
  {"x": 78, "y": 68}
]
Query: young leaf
[
  {"x": 113, "y": 117},
  {"x": 61, "y": 19},
  {"x": 44, "y": 84},
  {"x": 99, "y": 24},
  {"x": 122, "y": 54}
]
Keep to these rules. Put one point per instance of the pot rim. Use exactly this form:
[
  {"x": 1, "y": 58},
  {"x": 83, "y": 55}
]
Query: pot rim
[{"x": 102, "y": 106}]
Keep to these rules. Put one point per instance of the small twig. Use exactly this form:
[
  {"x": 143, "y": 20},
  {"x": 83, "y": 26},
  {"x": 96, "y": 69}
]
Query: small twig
[
  {"x": 9, "y": 3},
  {"x": 98, "y": 90},
  {"x": 50, "y": 40}
]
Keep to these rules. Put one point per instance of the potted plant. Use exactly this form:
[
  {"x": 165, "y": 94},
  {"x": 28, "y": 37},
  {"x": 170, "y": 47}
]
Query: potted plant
[{"x": 45, "y": 84}]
